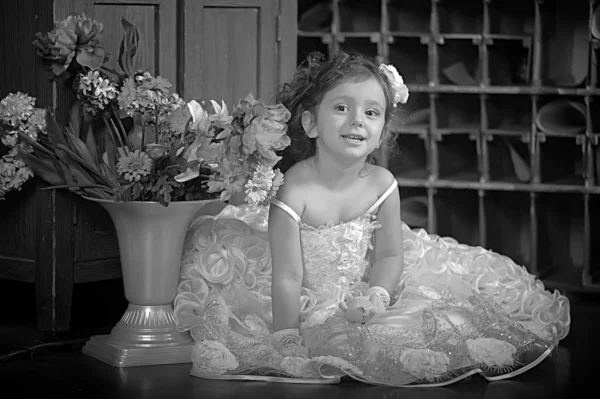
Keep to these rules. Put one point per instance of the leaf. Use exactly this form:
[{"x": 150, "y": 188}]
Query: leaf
[
  {"x": 128, "y": 47},
  {"x": 54, "y": 132},
  {"x": 76, "y": 117},
  {"x": 42, "y": 168},
  {"x": 82, "y": 151},
  {"x": 86, "y": 172}
]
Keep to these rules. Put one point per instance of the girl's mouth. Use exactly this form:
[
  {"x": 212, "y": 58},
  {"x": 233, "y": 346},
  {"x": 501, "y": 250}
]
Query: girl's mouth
[{"x": 353, "y": 138}]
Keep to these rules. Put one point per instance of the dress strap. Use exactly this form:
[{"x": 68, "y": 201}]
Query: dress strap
[
  {"x": 383, "y": 197},
  {"x": 286, "y": 208}
]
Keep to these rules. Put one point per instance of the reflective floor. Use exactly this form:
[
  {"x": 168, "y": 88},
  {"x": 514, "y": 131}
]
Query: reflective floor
[{"x": 62, "y": 369}]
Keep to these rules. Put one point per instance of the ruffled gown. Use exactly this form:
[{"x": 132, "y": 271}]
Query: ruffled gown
[{"x": 458, "y": 310}]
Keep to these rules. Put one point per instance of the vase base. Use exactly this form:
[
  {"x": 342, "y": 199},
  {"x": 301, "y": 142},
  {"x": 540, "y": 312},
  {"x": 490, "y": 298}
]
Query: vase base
[
  {"x": 118, "y": 354},
  {"x": 145, "y": 336}
]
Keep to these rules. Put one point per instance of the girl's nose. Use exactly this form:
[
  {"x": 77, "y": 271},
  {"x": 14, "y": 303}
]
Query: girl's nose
[{"x": 358, "y": 120}]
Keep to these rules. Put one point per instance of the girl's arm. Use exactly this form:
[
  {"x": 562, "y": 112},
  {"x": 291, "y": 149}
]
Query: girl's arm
[
  {"x": 388, "y": 244},
  {"x": 287, "y": 268}
]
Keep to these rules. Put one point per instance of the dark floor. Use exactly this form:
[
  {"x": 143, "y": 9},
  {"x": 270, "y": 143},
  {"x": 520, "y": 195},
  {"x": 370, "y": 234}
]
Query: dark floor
[{"x": 63, "y": 370}]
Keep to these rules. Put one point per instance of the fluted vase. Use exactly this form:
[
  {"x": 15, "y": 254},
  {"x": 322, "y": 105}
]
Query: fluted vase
[{"x": 151, "y": 238}]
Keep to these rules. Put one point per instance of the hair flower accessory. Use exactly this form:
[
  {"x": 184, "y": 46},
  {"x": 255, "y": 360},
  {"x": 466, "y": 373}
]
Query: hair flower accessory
[{"x": 400, "y": 89}]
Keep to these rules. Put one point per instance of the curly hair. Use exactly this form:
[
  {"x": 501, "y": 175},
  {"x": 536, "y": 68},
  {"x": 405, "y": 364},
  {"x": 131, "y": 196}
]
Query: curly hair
[{"x": 315, "y": 77}]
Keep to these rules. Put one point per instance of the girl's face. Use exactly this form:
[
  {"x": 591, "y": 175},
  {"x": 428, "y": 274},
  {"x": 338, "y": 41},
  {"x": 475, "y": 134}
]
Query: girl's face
[{"x": 349, "y": 120}]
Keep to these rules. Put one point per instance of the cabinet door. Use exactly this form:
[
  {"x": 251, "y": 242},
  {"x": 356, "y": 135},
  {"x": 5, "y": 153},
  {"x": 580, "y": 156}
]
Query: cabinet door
[{"x": 235, "y": 47}]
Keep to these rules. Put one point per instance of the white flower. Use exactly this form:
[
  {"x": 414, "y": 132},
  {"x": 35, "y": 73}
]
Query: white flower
[
  {"x": 400, "y": 89},
  {"x": 424, "y": 363},
  {"x": 299, "y": 367},
  {"x": 491, "y": 352},
  {"x": 212, "y": 357}
]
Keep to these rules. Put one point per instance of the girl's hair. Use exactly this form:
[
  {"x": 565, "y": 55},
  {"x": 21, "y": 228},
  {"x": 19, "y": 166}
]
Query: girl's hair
[{"x": 313, "y": 78}]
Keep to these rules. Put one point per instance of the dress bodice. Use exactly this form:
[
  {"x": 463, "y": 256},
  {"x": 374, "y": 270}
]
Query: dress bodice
[{"x": 335, "y": 255}]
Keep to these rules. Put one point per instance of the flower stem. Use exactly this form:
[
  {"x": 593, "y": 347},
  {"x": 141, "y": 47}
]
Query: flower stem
[
  {"x": 115, "y": 138},
  {"x": 116, "y": 115}
]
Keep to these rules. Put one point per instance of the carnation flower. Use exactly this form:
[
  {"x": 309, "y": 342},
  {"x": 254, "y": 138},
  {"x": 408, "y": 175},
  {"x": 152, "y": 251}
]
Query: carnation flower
[{"x": 134, "y": 165}]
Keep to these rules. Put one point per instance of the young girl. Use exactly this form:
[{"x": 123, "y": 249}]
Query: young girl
[{"x": 328, "y": 282}]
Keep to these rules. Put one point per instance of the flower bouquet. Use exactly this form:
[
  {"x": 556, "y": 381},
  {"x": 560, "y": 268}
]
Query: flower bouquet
[
  {"x": 131, "y": 144},
  {"x": 131, "y": 138},
  {"x": 18, "y": 115}
]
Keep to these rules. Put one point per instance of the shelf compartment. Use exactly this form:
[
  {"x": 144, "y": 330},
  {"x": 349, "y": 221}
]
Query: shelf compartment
[
  {"x": 593, "y": 159},
  {"x": 458, "y": 112},
  {"x": 508, "y": 158},
  {"x": 307, "y": 45},
  {"x": 459, "y": 62},
  {"x": 460, "y": 16},
  {"x": 512, "y": 17},
  {"x": 408, "y": 17},
  {"x": 415, "y": 207},
  {"x": 565, "y": 43},
  {"x": 458, "y": 157},
  {"x": 561, "y": 160},
  {"x": 410, "y": 56},
  {"x": 508, "y": 225},
  {"x": 315, "y": 16},
  {"x": 560, "y": 232},
  {"x": 359, "y": 16},
  {"x": 414, "y": 116},
  {"x": 592, "y": 275},
  {"x": 510, "y": 62},
  {"x": 364, "y": 45},
  {"x": 409, "y": 159},
  {"x": 594, "y": 115},
  {"x": 562, "y": 116},
  {"x": 456, "y": 214},
  {"x": 508, "y": 114}
]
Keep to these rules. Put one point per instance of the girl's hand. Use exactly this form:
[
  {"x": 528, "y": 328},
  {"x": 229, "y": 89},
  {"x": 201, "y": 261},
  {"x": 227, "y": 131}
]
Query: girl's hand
[
  {"x": 289, "y": 343},
  {"x": 361, "y": 310}
]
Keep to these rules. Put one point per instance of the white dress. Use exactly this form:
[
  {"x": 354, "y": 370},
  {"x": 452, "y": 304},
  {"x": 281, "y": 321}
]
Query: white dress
[{"x": 458, "y": 310}]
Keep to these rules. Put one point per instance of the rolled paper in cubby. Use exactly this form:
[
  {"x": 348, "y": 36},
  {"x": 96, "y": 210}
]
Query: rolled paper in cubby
[
  {"x": 596, "y": 22},
  {"x": 519, "y": 165},
  {"x": 316, "y": 19},
  {"x": 561, "y": 117},
  {"x": 458, "y": 74},
  {"x": 597, "y": 166},
  {"x": 414, "y": 211},
  {"x": 419, "y": 117},
  {"x": 565, "y": 58}
]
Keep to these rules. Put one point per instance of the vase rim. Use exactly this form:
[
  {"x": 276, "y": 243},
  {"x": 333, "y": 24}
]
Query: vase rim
[{"x": 205, "y": 201}]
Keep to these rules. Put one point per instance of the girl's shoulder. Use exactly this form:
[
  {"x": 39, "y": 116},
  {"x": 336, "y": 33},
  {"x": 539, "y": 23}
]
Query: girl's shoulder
[
  {"x": 379, "y": 178},
  {"x": 295, "y": 184}
]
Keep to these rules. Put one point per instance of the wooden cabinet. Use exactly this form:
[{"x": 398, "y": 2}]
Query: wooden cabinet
[
  {"x": 207, "y": 49},
  {"x": 499, "y": 140}
]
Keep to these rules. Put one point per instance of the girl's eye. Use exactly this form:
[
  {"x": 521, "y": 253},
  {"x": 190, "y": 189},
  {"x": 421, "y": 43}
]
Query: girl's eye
[
  {"x": 372, "y": 112},
  {"x": 341, "y": 108}
]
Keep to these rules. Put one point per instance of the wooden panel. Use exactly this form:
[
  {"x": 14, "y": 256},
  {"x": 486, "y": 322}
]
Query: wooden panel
[
  {"x": 230, "y": 49},
  {"x": 17, "y": 221},
  {"x": 17, "y": 269},
  {"x": 95, "y": 236},
  {"x": 156, "y": 21},
  {"x": 97, "y": 270},
  {"x": 287, "y": 39}
]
